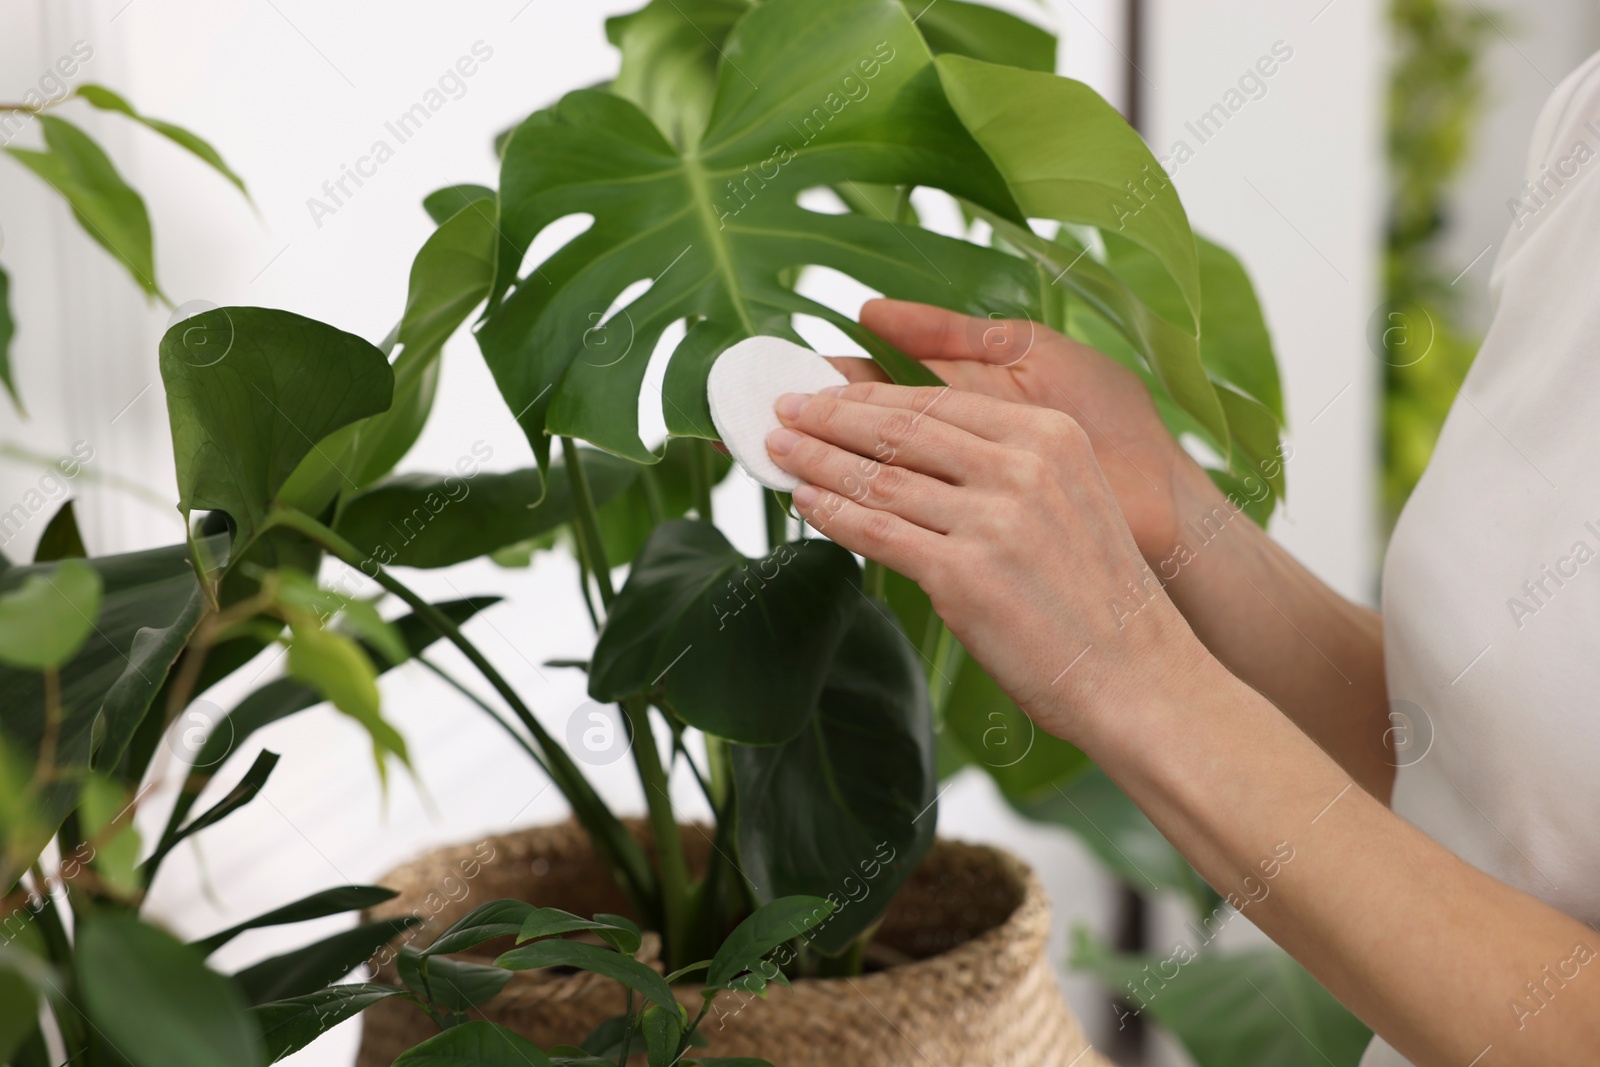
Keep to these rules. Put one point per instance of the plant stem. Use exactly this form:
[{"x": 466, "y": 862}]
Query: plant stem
[
  {"x": 610, "y": 837},
  {"x": 676, "y": 887},
  {"x": 588, "y": 526},
  {"x": 873, "y": 578},
  {"x": 777, "y": 519},
  {"x": 702, "y": 476}
]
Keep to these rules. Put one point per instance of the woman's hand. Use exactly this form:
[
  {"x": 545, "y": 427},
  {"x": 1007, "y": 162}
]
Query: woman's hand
[
  {"x": 1026, "y": 363},
  {"x": 1001, "y": 513}
]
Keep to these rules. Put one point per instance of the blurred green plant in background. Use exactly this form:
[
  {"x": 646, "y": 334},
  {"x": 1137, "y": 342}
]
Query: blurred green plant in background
[{"x": 1435, "y": 102}]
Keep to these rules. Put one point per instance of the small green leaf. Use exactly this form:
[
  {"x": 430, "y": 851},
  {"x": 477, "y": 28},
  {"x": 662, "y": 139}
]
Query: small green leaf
[
  {"x": 106, "y": 100},
  {"x": 156, "y": 1002},
  {"x": 604, "y": 961},
  {"x": 101, "y": 805},
  {"x": 290, "y": 1025},
  {"x": 8, "y": 330},
  {"x": 475, "y": 1044},
  {"x": 498, "y": 918},
  {"x": 767, "y": 927},
  {"x": 44, "y": 622},
  {"x": 450, "y": 985},
  {"x": 316, "y": 906},
  {"x": 61, "y": 539},
  {"x": 335, "y": 666},
  {"x": 441, "y": 204},
  {"x": 620, "y": 933},
  {"x": 663, "y": 1033},
  {"x": 107, "y": 208},
  {"x": 250, "y": 393},
  {"x": 19, "y": 1011},
  {"x": 306, "y": 970},
  {"x": 237, "y": 797},
  {"x": 301, "y": 594}
]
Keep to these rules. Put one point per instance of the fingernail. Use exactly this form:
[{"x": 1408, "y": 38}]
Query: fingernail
[
  {"x": 789, "y": 404},
  {"x": 832, "y": 390},
  {"x": 806, "y": 495},
  {"x": 782, "y": 441}
]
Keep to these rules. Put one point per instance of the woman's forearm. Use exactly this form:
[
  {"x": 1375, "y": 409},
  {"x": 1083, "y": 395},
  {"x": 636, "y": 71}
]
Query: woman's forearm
[
  {"x": 1446, "y": 963},
  {"x": 1279, "y": 628}
]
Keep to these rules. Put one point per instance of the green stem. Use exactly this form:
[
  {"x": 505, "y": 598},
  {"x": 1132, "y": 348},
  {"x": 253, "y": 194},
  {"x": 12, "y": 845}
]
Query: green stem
[
  {"x": 946, "y": 660},
  {"x": 777, "y": 519},
  {"x": 454, "y": 683},
  {"x": 74, "y": 1026},
  {"x": 873, "y": 579},
  {"x": 653, "y": 500},
  {"x": 610, "y": 837},
  {"x": 702, "y": 476},
  {"x": 903, "y": 214},
  {"x": 676, "y": 886},
  {"x": 586, "y": 523}
]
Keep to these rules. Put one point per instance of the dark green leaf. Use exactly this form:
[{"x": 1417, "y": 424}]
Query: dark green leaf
[
  {"x": 767, "y": 927},
  {"x": 106, "y": 100},
  {"x": 8, "y": 330},
  {"x": 156, "y": 1002},
  {"x": 250, "y": 393},
  {"x": 149, "y": 607},
  {"x": 421, "y": 520},
  {"x": 237, "y": 797},
  {"x": 290, "y": 1025},
  {"x": 316, "y": 906},
  {"x": 450, "y": 985},
  {"x": 61, "y": 539},
  {"x": 441, "y": 204},
  {"x": 605, "y": 1041},
  {"x": 738, "y": 647},
  {"x": 498, "y": 918},
  {"x": 620, "y": 933},
  {"x": 557, "y": 952},
  {"x": 983, "y": 32},
  {"x": 47, "y": 619},
  {"x": 1257, "y": 1008},
  {"x": 19, "y": 1011},
  {"x": 866, "y": 106},
  {"x": 845, "y": 810},
  {"x": 105, "y": 206},
  {"x": 475, "y": 1044},
  {"x": 663, "y": 1032},
  {"x": 305, "y": 970},
  {"x": 998, "y": 736}
]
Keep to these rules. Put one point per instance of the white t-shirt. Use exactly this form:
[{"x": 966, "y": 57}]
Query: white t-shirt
[{"x": 1491, "y": 589}]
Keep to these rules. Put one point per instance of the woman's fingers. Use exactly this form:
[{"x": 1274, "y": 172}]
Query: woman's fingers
[
  {"x": 858, "y": 369},
  {"x": 915, "y": 497},
  {"x": 926, "y": 332},
  {"x": 878, "y": 535},
  {"x": 903, "y": 437},
  {"x": 982, "y": 416}
]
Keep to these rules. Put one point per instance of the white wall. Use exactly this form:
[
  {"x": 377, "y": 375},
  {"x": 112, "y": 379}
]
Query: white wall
[{"x": 290, "y": 91}]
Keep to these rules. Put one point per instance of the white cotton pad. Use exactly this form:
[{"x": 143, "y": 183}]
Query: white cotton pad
[{"x": 744, "y": 384}]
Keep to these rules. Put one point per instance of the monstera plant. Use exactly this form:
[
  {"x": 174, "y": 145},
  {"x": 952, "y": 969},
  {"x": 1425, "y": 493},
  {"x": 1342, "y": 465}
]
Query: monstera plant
[{"x": 814, "y": 701}]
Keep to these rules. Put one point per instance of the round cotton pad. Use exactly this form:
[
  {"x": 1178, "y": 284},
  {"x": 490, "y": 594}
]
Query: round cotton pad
[{"x": 744, "y": 384}]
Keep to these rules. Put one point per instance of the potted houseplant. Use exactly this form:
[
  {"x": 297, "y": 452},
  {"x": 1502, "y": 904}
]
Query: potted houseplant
[{"x": 815, "y": 684}]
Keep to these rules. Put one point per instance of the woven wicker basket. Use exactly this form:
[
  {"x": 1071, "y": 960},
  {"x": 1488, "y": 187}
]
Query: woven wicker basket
[{"x": 975, "y": 988}]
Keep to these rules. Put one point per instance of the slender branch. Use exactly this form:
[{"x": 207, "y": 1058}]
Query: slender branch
[
  {"x": 607, "y": 832},
  {"x": 458, "y": 686},
  {"x": 702, "y": 476},
  {"x": 676, "y": 886},
  {"x": 588, "y": 525}
]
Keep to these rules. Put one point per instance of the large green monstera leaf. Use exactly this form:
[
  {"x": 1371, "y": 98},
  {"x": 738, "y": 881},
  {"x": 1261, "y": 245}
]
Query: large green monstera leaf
[{"x": 706, "y": 212}]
